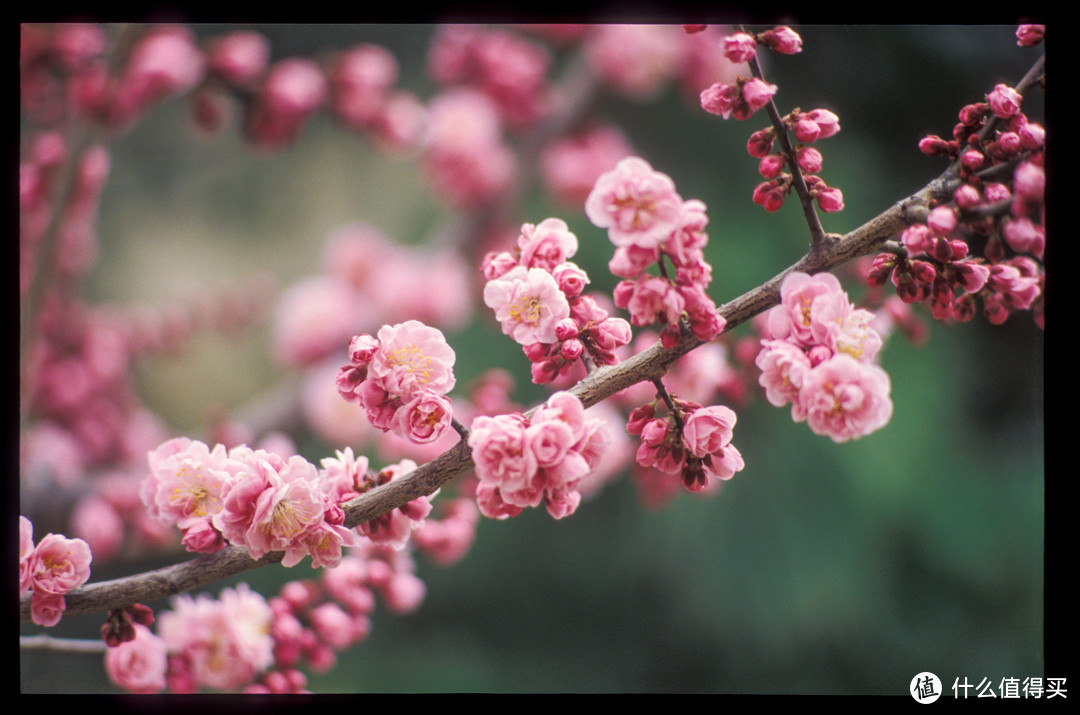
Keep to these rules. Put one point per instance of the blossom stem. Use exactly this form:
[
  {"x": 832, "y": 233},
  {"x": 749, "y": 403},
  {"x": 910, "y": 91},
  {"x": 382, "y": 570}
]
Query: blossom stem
[{"x": 817, "y": 232}]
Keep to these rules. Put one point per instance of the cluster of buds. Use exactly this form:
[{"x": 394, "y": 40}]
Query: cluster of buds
[
  {"x": 119, "y": 627},
  {"x": 747, "y": 95},
  {"x": 539, "y": 300},
  {"x": 999, "y": 157},
  {"x": 807, "y": 128},
  {"x": 648, "y": 220},
  {"x": 692, "y": 441}
]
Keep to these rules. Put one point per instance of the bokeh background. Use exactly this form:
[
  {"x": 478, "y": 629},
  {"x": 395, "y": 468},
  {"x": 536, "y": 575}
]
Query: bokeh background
[{"x": 821, "y": 568}]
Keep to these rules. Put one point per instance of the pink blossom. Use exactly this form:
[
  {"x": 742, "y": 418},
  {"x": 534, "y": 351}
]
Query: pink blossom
[
  {"x": 1023, "y": 236},
  {"x": 708, "y": 429},
  {"x": 139, "y": 665},
  {"x": 784, "y": 367},
  {"x": 793, "y": 318},
  {"x": 720, "y": 99},
  {"x": 1029, "y": 181},
  {"x": 1004, "y": 101},
  {"x": 782, "y": 39},
  {"x": 547, "y": 244},
  {"x": 187, "y": 481},
  {"x": 412, "y": 358},
  {"x": 59, "y": 564},
  {"x": 844, "y": 328},
  {"x": 528, "y": 304},
  {"x": 46, "y": 609},
  {"x": 503, "y": 460},
  {"x": 846, "y": 398},
  {"x": 360, "y": 80},
  {"x": 239, "y": 57},
  {"x": 271, "y": 505},
  {"x": 637, "y": 205},
  {"x": 446, "y": 541},
  {"x": 635, "y": 59},
  {"x": 757, "y": 93},
  {"x": 426, "y": 418},
  {"x": 1029, "y": 35},
  {"x": 828, "y": 123},
  {"x": 224, "y": 643},
  {"x": 312, "y": 318},
  {"x": 740, "y": 47},
  {"x": 570, "y": 278}
]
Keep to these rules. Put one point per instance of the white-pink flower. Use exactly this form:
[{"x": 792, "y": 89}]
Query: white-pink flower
[
  {"x": 846, "y": 398},
  {"x": 412, "y": 358},
  {"x": 139, "y": 665},
  {"x": 271, "y": 505},
  {"x": 223, "y": 643},
  {"x": 528, "y": 304},
  {"x": 783, "y": 366},
  {"x": 636, "y": 204},
  {"x": 709, "y": 429}
]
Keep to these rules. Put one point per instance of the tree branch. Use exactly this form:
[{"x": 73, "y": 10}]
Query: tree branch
[{"x": 650, "y": 364}]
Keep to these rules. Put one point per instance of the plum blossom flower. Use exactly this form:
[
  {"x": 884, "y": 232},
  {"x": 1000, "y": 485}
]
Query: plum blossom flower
[
  {"x": 846, "y": 398},
  {"x": 1004, "y": 101},
  {"x": 412, "y": 358},
  {"x": 636, "y": 204},
  {"x": 528, "y": 304},
  {"x": 139, "y": 665},
  {"x": 271, "y": 505},
  {"x": 49, "y": 570},
  {"x": 222, "y": 644},
  {"x": 547, "y": 244}
]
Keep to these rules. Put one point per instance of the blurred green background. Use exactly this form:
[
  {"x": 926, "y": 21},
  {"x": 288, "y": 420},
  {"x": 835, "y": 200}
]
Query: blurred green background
[{"x": 821, "y": 568}]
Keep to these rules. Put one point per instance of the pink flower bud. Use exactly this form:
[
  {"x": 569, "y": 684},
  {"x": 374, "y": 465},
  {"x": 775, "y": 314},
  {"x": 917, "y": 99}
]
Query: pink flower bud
[
  {"x": 809, "y": 159},
  {"x": 806, "y": 130},
  {"x": 770, "y": 166},
  {"x": 942, "y": 220},
  {"x": 782, "y": 39},
  {"x": 757, "y": 93},
  {"x": 566, "y": 329},
  {"x": 739, "y": 48},
  {"x": 572, "y": 349},
  {"x": 719, "y": 99},
  {"x": 1030, "y": 35},
  {"x": 933, "y": 145},
  {"x": 1032, "y": 136},
  {"x": 828, "y": 123},
  {"x": 760, "y": 143},
  {"x": 972, "y": 159},
  {"x": 830, "y": 200},
  {"x": 1004, "y": 101},
  {"x": 1029, "y": 181},
  {"x": 967, "y": 196}
]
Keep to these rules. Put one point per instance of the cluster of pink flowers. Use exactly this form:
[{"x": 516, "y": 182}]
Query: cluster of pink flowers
[
  {"x": 1006, "y": 216},
  {"x": 202, "y": 642},
  {"x": 504, "y": 66},
  {"x": 465, "y": 157},
  {"x": 248, "y": 497},
  {"x": 48, "y": 570},
  {"x": 648, "y": 220},
  {"x": 523, "y": 461},
  {"x": 693, "y": 441},
  {"x": 539, "y": 300},
  {"x": 400, "y": 378},
  {"x": 817, "y": 353}
]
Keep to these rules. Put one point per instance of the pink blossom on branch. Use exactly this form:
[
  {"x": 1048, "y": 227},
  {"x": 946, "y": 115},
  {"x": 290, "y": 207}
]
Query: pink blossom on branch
[
  {"x": 636, "y": 204},
  {"x": 528, "y": 304}
]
